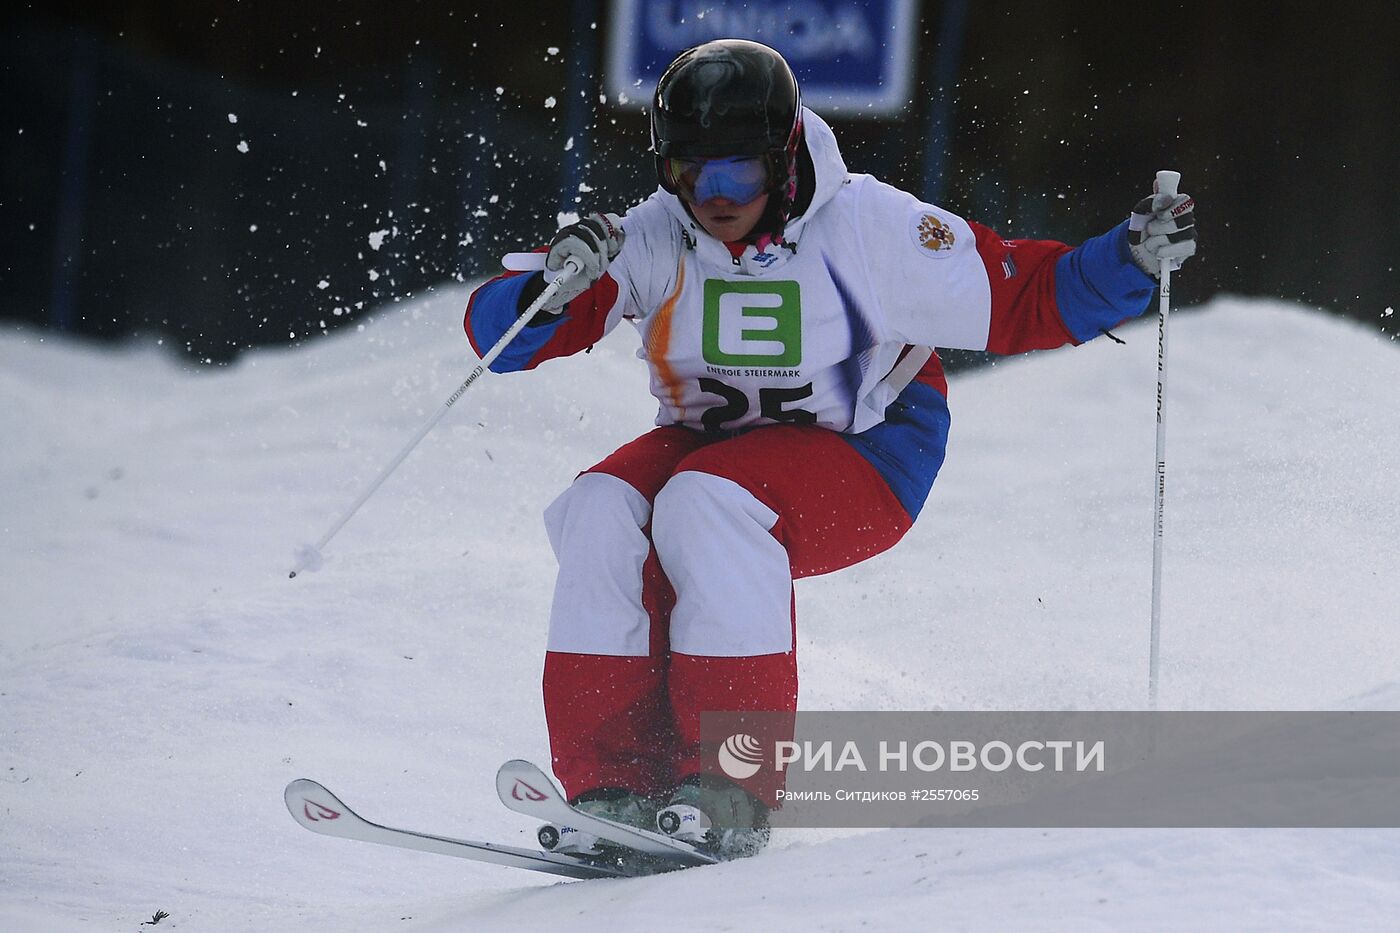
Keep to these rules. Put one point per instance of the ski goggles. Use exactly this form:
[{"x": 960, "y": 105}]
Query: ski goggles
[{"x": 736, "y": 178}]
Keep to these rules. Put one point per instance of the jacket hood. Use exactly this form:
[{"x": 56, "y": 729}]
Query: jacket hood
[{"x": 828, "y": 167}]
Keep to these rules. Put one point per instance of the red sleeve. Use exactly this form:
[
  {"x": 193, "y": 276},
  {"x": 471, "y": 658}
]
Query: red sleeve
[
  {"x": 494, "y": 306},
  {"x": 1021, "y": 273},
  {"x": 585, "y": 321}
]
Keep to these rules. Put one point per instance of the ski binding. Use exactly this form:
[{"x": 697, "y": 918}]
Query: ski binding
[{"x": 526, "y": 789}]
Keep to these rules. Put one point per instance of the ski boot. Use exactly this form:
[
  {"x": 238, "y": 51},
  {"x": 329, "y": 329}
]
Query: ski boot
[
  {"x": 611, "y": 803},
  {"x": 716, "y": 815}
]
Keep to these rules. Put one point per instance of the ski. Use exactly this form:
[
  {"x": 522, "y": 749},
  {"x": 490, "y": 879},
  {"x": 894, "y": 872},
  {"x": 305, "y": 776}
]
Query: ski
[
  {"x": 526, "y": 789},
  {"x": 320, "y": 811}
]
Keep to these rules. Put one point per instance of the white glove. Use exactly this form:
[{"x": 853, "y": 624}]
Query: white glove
[
  {"x": 593, "y": 242},
  {"x": 1162, "y": 226}
]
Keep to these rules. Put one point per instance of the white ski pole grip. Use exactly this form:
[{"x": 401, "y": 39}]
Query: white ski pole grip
[
  {"x": 1166, "y": 183},
  {"x": 308, "y": 556}
]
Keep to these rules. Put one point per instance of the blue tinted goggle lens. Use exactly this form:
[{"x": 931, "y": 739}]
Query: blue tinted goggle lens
[{"x": 739, "y": 178}]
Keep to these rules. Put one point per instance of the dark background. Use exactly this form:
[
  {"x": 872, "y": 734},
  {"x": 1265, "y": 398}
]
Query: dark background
[{"x": 127, "y": 207}]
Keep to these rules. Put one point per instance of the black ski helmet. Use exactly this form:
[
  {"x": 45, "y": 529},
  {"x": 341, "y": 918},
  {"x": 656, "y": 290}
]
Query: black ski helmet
[{"x": 728, "y": 97}]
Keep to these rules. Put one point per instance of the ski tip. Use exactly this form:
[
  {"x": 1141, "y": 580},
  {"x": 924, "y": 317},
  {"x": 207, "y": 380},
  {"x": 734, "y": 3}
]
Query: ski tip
[
  {"x": 312, "y": 805},
  {"x": 521, "y": 783}
]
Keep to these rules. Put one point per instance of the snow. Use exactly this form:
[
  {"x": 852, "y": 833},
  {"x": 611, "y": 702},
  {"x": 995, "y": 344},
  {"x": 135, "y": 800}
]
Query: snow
[{"x": 161, "y": 679}]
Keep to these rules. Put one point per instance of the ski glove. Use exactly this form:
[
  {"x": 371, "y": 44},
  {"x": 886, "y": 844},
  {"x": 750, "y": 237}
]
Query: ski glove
[
  {"x": 593, "y": 241},
  {"x": 1162, "y": 226}
]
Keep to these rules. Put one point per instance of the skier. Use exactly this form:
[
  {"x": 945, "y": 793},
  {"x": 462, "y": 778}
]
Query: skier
[{"x": 788, "y": 310}]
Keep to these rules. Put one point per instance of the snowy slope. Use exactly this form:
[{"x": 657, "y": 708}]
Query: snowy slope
[{"x": 161, "y": 679}]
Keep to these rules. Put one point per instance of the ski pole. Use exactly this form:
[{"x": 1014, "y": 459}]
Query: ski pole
[
  {"x": 308, "y": 556},
  {"x": 1166, "y": 184}
]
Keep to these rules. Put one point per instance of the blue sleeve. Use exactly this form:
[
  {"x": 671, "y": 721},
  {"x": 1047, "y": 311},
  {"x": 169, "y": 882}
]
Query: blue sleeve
[
  {"x": 491, "y": 312},
  {"x": 1098, "y": 286}
]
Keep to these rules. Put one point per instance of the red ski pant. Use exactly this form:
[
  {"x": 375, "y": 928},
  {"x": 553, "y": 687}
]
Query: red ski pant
[{"x": 699, "y": 518}]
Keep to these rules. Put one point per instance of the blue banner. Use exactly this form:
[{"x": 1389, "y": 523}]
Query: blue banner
[{"x": 851, "y": 58}]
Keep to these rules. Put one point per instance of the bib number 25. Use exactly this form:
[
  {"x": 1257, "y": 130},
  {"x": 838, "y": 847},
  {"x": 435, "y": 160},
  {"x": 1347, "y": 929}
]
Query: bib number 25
[{"x": 771, "y": 402}]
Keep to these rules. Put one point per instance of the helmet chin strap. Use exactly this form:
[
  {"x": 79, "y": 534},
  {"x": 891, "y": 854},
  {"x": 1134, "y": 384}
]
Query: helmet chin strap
[
  {"x": 800, "y": 183},
  {"x": 771, "y": 222}
]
